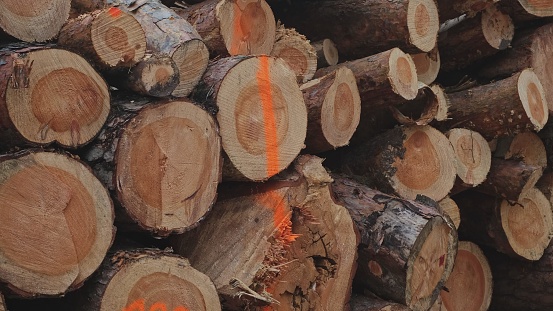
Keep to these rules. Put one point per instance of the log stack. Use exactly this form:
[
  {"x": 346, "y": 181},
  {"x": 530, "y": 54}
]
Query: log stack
[{"x": 198, "y": 130}]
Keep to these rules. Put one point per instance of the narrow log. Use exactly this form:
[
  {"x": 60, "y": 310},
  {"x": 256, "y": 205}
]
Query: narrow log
[
  {"x": 413, "y": 28},
  {"x": 505, "y": 107},
  {"x": 427, "y": 65},
  {"x": 296, "y": 51},
  {"x": 407, "y": 249},
  {"x": 475, "y": 38},
  {"x": 34, "y": 21},
  {"x": 522, "y": 230},
  {"x": 261, "y": 112},
  {"x": 510, "y": 179},
  {"x": 365, "y": 303},
  {"x": 469, "y": 287},
  {"x": 530, "y": 49},
  {"x": 49, "y": 95},
  {"x": 473, "y": 156},
  {"x": 443, "y": 103},
  {"x": 57, "y": 223},
  {"x": 449, "y": 207},
  {"x": 450, "y": 9},
  {"x": 298, "y": 248},
  {"x": 406, "y": 161},
  {"x": 155, "y": 75},
  {"x": 162, "y": 162},
  {"x": 147, "y": 279},
  {"x": 334, "y": 109},
  {"x": 327, "y": 53},
  {"x": 231, "y": 27}
]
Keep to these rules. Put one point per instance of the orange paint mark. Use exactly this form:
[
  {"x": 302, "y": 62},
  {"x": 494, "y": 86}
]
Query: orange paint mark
[
  {"x": 180, "y": 308},
  {"x": 266, "y": 96},
  {"x": 114, "y": 12},
  {"x": 237, "y": 32},
  {"x": 282, "y": 216},
  {"x": 138, "y": 305},
  {"x": 158, "y": 306}
]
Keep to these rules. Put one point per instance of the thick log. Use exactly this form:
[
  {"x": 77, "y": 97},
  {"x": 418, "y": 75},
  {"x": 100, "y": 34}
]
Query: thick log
[
  {"x": 475, "y": 38},
  {"x": 231, "y": 27},
  {"x": 161, "y": 161},
  {"x": 333, "y": 110},
  {"x": 451, "y": 9},
  {"x": 34, "y": 21},
  {"x": 473, "y": 156},
  {"x": 56, "y": 220},
  {"x": 406, "y": 161},
  {"x": 366, "y": 303},
  {"x": 327, "y": 53},
  {"x": 297, "y": 249},
  {"x": 427, "y": 65},
  {"x": 530, "y": 49},
  {"x": 527, "y": 10},
  {"x": 522, "y": 230},
  {"x": 296, "y": 51},
  {"x": 146, "y": 279},
  {"x": 407, "y": 249},
  {"x": 450, "y": 208},
  {"x": 505, "y": 107},
  {"x": 261, "y": 112},
  {"x": 413, "y": 27},
  {"x": 49, "y": 95}
]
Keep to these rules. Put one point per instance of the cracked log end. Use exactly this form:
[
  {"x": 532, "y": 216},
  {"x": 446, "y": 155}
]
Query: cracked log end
[
  {"x": 473, "y": 155},
  {"x": 163, "y": 185},
  {"x": 56, "y": 220}
]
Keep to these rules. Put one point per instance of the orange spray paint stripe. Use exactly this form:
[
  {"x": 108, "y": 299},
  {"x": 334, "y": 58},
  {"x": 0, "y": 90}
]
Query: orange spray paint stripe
[
  {"x": 158, "y": 306},
  {"x": 266, "y": 96},
  {"x": 114, "y": 12},
  {"x": 137, "y": 305},
  {"x": 236, "y": 30}
]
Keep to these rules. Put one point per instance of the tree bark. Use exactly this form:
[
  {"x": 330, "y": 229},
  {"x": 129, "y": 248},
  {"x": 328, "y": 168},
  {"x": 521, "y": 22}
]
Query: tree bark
[
  {"x": 504, "y": 107},
  {"x": 334, "y": 109},
  {"x": 327, "y": 53},
  {"x": 522, "y": 230},
  {"x": 365, "y": 303},
  {"x": 231, "y": 27},
  {"x": 411, "y": 25},
  {"x": 34, "y": 21},
  {"x": 397, "y": 236},
  {"x": 451, "y": 9},
  {"x": 263, "y": 118},
  {"x": 161, "y": 160},
  {"x": 49, "y": 95},
  {"x": 283, "y": 245},
  {"x": 56, "y": 220},
  {"x": 527, "y": 10}
]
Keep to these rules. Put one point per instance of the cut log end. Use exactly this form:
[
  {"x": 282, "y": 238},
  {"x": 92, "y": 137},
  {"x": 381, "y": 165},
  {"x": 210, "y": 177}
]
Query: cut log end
[
  {"x": 532, "y": 96},
  {"x": 402, "y": 74},
  {"x": 471, "y": 277},
  {"x": 247, "y": 27},
  {"x": 542, "y": 48},
  {"x": 298, "y": 53},
  {"x": 168, "y": 187},
  {"x": 57, "y": 222},
  {"x": 528, "y": 224},
  {"x": 450, "y": 208},
  {"x": 423, "y": 24},
  {"x": 55, "y": 95},
  {"x": 497, "y": 27},
  {"x": 427, "y": 65},
  {"x": 541, "y": 8},
  {"x": 443, "y": 103},
  {"x": 473, "y": 155},
  {"x": 151, "y": 280},
  {"x": 529, "y": 148},
  {"x": 118, "y": 38},
  {"x": 261, "y": 142},
  {"x": 156, "y": 75},
  {"x": 426, "y": 167},
  {"x": 423, "y": 279},
  {"x": 191, "y": 59},
  {"x": 34, "y": 21},
  {"x": 327, "y": 53}
]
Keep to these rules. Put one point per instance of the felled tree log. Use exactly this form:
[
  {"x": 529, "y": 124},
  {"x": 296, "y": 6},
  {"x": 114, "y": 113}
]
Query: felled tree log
[
  {"x": 505, "y": 107},
  {"x": 406, "y": 161},
  {"x": 334, "y": 109},
  {"x": 327, "y": 53},
  {"x": 34, "y": 21},
  {"x": 2, "y": 303},
  {"x": 297, "y": 248},
  {"x": 230, "y": 27},
  {"x": 413, "y": 28},
  {"x": 407, "y": 249},
  {"x": 155, "y": 75},
  {"x": 526, "y": 147},
  {"x": 261, "y": 114},
  {"x": 475, "y": 38},
  {"x": 162, "y": 161},
  {"x": 57, "y": 223},
  {"x": 473, "y": 156},
  {"x": 469, "y": 287},
  {"x": 522, "y": 230},
  {"x": 530, "y": 49},
  {"x": 366, "y": 303},
  {"x": 451, "y": 9},
  {"x": 525, "y": 10},
  {"x": 49, "y": 95},
  {"x": 147, "y": 279},
  {"x": 296, "y": 51},
  {"x": 449, "y": 207},
  {"x": 427, "y": 65}
]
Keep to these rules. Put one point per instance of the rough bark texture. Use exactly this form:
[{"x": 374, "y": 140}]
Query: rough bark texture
[
  {"x": 413, "y": 27},
  {"x": 450, "y": 9},
  {"x": 527, "y": 10},
  {"x": 366, "y": 303},
  {"x": 396, "y": 235}
]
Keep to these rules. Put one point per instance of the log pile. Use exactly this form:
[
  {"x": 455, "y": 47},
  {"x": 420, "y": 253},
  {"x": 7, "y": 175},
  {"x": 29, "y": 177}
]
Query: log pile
[{"x": 276, "y": 155}]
